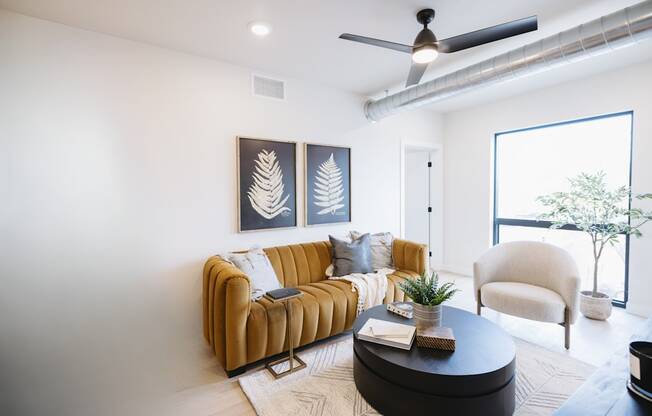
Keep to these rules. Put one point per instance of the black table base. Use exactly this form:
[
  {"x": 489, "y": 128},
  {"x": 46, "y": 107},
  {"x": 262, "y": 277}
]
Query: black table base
[{"x": 393, "y": 399}]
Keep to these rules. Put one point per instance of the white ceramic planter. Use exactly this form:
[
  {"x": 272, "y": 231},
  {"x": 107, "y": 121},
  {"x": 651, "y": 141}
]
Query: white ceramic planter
[
  {"x": 427, "y": 316},
  {"x": 595, "y": 308}
]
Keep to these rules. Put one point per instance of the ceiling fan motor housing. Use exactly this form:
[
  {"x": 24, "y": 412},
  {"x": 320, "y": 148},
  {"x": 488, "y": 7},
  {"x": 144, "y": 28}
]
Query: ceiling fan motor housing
[
  {"x": 425, "y": 36},
  {"x": 425, "y": 16}
]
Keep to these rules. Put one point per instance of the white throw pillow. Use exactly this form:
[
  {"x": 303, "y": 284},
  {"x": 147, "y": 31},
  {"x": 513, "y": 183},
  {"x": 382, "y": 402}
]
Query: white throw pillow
[
  {"x": 381, "y": 249},
  {"x": 329, "y": 270},
  {"x": 255, "y": 264}
]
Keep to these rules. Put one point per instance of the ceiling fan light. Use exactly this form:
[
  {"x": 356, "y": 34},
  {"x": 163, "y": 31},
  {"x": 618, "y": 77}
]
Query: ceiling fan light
[{"x": 424, "y": 55}]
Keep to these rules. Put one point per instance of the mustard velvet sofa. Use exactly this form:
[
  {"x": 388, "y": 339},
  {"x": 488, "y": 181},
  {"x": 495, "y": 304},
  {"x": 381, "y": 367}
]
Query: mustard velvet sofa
[{"x": 242, "y": 332}]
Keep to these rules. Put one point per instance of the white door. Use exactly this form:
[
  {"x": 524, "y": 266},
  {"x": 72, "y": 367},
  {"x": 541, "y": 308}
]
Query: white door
[{"x": 417, "y": 196}]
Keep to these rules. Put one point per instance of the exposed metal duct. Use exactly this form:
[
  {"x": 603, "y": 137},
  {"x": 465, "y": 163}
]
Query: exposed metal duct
[{"x": 616, "y": 30}]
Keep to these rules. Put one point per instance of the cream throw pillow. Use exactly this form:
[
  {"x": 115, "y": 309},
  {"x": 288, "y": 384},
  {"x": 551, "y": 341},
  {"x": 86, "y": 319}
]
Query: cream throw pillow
[
  {"x": 381, "y": 249},
  {"x": 255, "y": 264}
]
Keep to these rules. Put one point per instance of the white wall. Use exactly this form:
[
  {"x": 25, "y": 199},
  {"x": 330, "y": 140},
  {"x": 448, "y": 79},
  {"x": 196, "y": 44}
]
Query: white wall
[
  {"x": 468, "y": 161},
  {"x": 117, "y": 181}
]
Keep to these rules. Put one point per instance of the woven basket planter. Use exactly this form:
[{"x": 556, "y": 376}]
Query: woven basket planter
[{"x": 598, "y": 308}]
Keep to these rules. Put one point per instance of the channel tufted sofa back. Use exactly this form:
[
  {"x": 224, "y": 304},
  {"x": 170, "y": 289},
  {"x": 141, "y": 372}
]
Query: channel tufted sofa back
[{"x": 300, "y": 264}]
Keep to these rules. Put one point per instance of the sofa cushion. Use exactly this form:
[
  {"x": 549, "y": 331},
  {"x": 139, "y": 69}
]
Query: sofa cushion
[
  {"x": 524, "y": 300},
  {"x": 351, "y": 299},
  {"x": 351, "y": 257},
  {"x": 326, "y": 308}
]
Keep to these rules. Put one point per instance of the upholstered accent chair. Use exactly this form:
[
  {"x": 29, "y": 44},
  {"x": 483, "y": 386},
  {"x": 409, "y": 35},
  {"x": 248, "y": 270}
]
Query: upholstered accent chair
[
  {"x": 529, "y": 279},
  {"x": 242, "y": 332}
]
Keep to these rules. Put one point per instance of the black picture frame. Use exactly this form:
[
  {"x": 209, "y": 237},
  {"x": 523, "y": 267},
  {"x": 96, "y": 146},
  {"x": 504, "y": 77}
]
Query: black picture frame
[
  {"x": 327, "y": 184},
  {"x": 267, "y": 184}
]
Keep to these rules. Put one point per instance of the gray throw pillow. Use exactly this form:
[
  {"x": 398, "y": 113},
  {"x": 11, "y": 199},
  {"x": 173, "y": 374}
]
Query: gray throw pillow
[
  {"x": 351, "y": 257},
  {"x": 381, "y": 249}
]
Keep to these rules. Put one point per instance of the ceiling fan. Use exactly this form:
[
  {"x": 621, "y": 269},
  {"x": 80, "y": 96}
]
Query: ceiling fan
[{"x": 426, "y": 45}]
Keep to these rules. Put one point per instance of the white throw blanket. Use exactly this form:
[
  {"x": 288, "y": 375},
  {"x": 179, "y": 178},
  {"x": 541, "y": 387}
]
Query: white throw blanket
[{"x": 371, "y": 287}]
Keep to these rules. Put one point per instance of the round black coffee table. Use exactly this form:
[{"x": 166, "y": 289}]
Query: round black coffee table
[{"x": 476, "y": 379}]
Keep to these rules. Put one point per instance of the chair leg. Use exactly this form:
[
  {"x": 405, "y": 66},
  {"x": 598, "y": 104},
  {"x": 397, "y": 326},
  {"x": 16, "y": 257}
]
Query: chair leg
[
  {"x": 567, "y": 329},
  {"x": 479, "y": 310}
]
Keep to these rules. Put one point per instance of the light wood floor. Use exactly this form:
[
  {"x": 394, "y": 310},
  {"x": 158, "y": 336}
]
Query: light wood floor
[{"x": 591, "y": 341}]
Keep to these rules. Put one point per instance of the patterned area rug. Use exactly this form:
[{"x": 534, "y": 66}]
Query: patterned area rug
[{"x": 544, "y": 380}]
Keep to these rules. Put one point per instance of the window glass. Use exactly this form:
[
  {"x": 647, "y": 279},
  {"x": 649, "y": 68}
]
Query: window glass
[{"x": 539, "y": 161}]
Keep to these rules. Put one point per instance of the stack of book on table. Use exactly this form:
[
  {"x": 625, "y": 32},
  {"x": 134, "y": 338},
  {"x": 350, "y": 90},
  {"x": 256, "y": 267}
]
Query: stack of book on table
[{"x": 387, "y": 333}]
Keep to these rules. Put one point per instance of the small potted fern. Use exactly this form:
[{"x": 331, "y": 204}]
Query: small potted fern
[{"x": 427, "y": 295}]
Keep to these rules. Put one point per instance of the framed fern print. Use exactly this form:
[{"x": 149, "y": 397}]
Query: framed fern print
[
  {"x": 267, "y": 196},
  {"x": 328, "y": 184}
]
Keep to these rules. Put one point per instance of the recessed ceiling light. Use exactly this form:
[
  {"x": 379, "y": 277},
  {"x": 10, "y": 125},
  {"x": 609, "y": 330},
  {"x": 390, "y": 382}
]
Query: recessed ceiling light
[{"x": 260, "y": 28}]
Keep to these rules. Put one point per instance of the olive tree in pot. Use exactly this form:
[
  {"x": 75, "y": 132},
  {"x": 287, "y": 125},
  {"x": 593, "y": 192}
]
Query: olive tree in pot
[
  {"x": 427, "y": 296},
  {"x": 602, "y": 213}
]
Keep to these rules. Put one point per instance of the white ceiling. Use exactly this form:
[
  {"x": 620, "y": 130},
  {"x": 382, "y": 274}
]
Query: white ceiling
[{"x": 304, "y": 42}]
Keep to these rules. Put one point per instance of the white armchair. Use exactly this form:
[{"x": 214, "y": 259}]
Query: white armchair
[{"x": 530, "y": 280}]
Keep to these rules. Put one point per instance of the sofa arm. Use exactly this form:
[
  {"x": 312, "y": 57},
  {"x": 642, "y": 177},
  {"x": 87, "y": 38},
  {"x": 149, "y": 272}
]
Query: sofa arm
[
  {"x": 408, "y": 255},
  {"x": 226, "y": 305}
]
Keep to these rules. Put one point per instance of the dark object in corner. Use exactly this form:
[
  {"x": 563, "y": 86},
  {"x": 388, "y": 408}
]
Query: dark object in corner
[
  {"x": 605, "y": 393},
  {"x": 283, "y": 293}
]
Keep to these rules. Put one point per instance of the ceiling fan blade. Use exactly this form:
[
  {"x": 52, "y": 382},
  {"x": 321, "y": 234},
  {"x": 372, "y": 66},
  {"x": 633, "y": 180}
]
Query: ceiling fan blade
[
  {"x": 416, "y": 72},
  {"x": 377, "y": 42},
  {"x": 487, "y": 35}
]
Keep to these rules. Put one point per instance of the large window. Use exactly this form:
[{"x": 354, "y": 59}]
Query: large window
[{"x": 537, "y": 161}]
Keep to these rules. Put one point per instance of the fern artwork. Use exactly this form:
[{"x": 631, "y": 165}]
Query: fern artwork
[
  {"x": 266, "y": 184},
  {"x": 329, "y": 190},
  {"x": 266, "y": 193},
  {"x": 328, "y": 184}
]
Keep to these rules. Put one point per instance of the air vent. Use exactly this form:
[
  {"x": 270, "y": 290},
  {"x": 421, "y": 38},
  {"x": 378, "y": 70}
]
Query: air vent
[{"x": 268, "y": 87}]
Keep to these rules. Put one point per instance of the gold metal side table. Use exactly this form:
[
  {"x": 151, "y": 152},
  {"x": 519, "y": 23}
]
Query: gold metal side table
[{"x": 291, "y": 358}]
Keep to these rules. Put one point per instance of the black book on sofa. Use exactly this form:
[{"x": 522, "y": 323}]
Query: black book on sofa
[{"x": 278, "y": 295}]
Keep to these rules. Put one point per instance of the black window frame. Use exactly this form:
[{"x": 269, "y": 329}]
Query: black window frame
[{"x": 497, "y": 221}]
